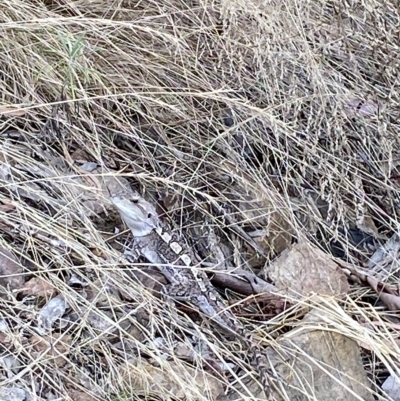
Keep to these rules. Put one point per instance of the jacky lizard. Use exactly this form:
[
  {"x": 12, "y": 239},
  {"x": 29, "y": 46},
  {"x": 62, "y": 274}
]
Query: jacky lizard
[{"x": 187, "y": 283}]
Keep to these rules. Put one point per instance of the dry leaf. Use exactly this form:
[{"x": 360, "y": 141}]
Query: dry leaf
[
  {"x": 103, "y": 292},
  {"x": 38, "y": 287},
  {"x": 391, "y": 387},
  {"x": 5, "y": 339},
  {"x": 10, "y": 270},
  {"x": 276, "y": 240},
  {"x": 76, "y": 395},
  {"x": 184, "y": 351},
  {"x": 266, "y": 225},
  {"x": 356, "y": 106},
  {"x": 80, "y": 155},
  {"x": 12, "y": 394},
  {"x": 52, "y": 312},
  {"x": 368, "y": 109},
  {"x": 171, "y": 201},
  {"x": 78, "y": 281},
  {"x": 367, "y": 225},
  {"x": 56, "y": 345},
  {"x": 5, "y": 334},
  {"x": 103, "y": 321},
  {"x": 10, "y": 364},
  {"x": 151, "y": 279},
  {"x": 380, "y": 262},
  {"x": 7, "y": 208},
  {"x": 89, "y": 166},
  {"x": 304, "y": 269}
]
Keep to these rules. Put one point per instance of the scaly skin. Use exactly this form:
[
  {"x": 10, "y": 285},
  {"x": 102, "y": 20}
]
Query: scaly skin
[{"x": 187, "y": 283}]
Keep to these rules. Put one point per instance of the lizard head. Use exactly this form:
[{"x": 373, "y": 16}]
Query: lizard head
[{"x": 138, "y": 214}]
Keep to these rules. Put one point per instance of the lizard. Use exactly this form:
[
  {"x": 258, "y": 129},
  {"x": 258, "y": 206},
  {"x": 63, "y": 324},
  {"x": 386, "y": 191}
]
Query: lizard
[{"x": 189, "y": 284}]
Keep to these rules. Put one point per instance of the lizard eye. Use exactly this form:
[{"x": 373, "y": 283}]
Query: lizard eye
[
  {"x": 149, "y": 215},
  {"x": 134, "y": 200}
]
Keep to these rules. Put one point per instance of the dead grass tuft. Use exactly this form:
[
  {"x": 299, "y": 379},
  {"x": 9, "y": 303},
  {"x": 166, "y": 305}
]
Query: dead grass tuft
[{"x": 286, "y": 114}]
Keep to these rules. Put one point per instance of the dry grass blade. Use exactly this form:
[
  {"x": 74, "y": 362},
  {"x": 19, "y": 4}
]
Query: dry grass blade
[{"x": 282, "y": 114}]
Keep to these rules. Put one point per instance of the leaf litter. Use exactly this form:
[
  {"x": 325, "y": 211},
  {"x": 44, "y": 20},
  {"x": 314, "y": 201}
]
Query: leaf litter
[{"x": 281, "y": 170}]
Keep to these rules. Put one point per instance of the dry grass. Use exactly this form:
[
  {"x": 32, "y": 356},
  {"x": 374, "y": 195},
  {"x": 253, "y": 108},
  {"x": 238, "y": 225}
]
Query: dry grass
[{"x": 143, "y": 87}]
